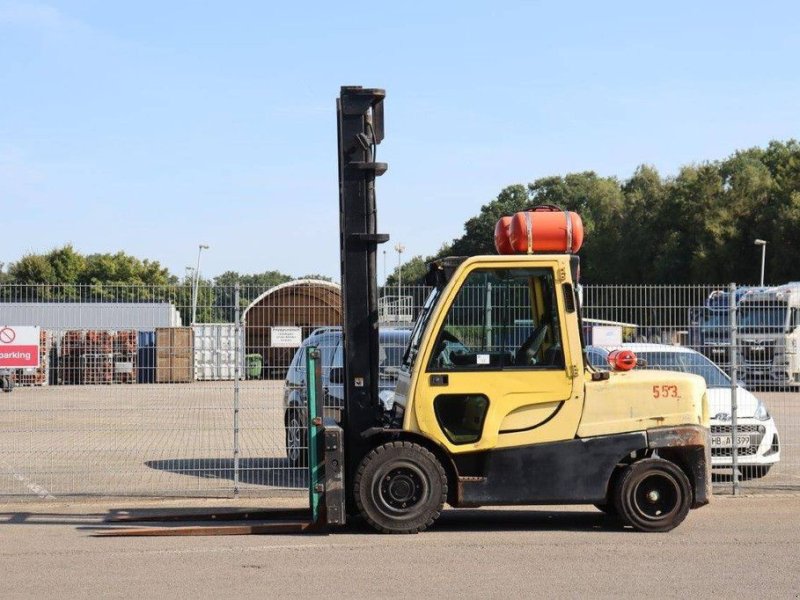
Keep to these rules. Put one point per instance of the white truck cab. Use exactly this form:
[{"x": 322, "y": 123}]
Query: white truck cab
[{"x": 769, "y": 335}]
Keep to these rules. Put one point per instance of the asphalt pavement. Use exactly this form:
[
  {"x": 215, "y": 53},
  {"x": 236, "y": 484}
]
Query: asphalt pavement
[{"x": 737, "y": 547}]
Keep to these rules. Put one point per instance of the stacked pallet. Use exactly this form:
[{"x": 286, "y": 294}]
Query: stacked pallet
[
  {"x": 125, "y": 356},
  {"x": 97, "y": 360},
  {"x": 37, "y": 376},
  {"x": 69, "y": 364}
]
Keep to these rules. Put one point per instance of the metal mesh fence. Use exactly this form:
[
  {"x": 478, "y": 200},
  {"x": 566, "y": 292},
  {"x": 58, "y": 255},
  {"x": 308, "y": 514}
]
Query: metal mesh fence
[
  {"x": 129, "y": 398},
  {"x": 726, "y": 334}
]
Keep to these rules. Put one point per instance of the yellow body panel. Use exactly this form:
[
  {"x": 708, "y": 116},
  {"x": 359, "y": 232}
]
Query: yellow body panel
[{"x": 638, "y": 400}]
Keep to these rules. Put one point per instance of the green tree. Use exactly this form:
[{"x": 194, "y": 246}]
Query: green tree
[
  {"x": 259, "y": 282},
  {"x": 413, "y": 272},
  {"x": 644, "y": 225},
  {"x": 121, "y": 268},
  {"x": 478, "y": 235},
  {"x": 600, "y": 202},
  {"x": 316, "y": 276},
  {"x": 67, "y": 264},
  {"x": 696, "y": 227},
  {"x": 32, "y": 269}
]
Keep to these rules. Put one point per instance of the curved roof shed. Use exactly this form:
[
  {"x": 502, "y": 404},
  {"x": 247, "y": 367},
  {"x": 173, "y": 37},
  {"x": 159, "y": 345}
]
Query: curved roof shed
[{"x": 304, "y": 303}]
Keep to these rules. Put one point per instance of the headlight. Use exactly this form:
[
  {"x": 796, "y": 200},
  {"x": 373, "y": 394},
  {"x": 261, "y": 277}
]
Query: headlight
[{"x": 762, "y": 414}]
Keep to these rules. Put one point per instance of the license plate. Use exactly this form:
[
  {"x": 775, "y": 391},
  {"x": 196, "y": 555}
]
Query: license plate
[{"x": 726, "y": 441}]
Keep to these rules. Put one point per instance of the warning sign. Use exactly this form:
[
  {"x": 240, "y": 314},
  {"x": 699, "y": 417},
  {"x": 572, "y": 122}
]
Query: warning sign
[
  {"x": 19, "y": 347},
  {"x": 607, "y": 335},
  {"x": 286, "y": 337}
]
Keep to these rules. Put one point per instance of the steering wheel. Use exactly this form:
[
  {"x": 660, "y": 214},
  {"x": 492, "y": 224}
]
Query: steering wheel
[
  {"x": 526, "y": 355},
  {"x": 442, "y": 355}
]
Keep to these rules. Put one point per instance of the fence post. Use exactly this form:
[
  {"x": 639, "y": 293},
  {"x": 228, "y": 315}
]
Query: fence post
[
  {"x": 734, "y": 385},
  {"x": 237, "y": 374}
]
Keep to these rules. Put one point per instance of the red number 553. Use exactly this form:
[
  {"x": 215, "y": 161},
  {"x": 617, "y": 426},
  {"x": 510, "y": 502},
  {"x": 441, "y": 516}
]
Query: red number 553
[{"x": 665, "y": 391}]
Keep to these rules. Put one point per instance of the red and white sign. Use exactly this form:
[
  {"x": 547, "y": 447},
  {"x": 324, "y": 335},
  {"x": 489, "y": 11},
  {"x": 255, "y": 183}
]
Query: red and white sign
[{"x": 19, "y": 347}]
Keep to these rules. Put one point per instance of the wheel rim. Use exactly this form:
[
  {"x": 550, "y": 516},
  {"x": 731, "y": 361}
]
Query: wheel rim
[
  {"x": 400, "y": 488},
  {"x": 293, "y": 433},
  {"x": 657, "y": 496}
]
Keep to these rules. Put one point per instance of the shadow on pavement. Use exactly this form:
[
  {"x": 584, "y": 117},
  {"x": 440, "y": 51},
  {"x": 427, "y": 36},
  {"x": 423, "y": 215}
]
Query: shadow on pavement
[
  {"x": 452, "y": 520},
  {"x": 50, "y": 518},
  {"x": 588, "y": 519},
  {"x": 273, "y": 472}
]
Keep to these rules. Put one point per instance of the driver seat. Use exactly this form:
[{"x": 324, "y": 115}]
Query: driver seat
[{"x": 526, "y": 354}]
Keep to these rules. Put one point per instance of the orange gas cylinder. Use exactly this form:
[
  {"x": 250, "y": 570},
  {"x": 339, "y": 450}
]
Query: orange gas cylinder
[
  {"x": 544, "y": 229},
  {"x": 622, "y": 360},
  {"x": 501, "y": 241}
]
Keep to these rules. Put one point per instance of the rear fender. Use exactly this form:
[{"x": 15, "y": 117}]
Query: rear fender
[{"x": 689, "y": 447}]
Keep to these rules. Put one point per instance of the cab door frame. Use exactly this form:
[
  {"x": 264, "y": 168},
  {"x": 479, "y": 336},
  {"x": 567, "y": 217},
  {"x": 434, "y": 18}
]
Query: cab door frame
[{"x": 510, "y": 390}]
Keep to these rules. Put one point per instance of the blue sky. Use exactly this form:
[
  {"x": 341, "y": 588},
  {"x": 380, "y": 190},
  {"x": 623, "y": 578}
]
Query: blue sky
[{"x": 150, "y": 127}]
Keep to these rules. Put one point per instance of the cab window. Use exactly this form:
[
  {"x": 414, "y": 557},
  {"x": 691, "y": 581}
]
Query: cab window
[{"x": 501, "y": 319}]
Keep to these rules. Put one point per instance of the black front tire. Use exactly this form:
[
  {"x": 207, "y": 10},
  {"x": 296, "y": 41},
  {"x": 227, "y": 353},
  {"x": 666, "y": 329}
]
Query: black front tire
[
  {"x": 400, "y": 487},
  {"x": 653, "y": 495}
]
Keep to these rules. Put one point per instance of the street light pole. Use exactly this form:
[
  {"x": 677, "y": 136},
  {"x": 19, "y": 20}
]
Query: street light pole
[
  {"x": 200, "y": 249},
  {"x": 763, "y": 245},
  {"x": 400, "y": 248}
]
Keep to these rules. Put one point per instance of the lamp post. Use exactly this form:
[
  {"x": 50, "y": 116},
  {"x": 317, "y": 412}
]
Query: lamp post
[
  {"x": 200, "y": 249},
  {"x": 400, "y": 249},
  {"x": 763, "y": 244}
]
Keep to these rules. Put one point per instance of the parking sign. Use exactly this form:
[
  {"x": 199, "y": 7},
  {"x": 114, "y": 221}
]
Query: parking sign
[{"x": 19, "y": 347}]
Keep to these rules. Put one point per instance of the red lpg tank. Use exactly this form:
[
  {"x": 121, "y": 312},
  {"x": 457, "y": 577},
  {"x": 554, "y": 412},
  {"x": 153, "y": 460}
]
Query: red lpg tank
[
  {"x": 501, "y": 241},
  {"x": 622, "y": 360},
  {"x": 545, "y": 229}
]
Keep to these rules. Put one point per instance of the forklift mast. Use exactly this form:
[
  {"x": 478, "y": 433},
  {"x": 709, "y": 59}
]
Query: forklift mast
[{"x": 359, "y": 113}]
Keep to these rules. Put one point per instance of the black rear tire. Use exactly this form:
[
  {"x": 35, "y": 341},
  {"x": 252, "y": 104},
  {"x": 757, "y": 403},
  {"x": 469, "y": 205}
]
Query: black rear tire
[
  {"x": 653, "y": 495},
  {"x": 400, "y": 487}
]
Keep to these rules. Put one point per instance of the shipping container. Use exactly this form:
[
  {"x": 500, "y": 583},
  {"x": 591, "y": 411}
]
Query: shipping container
[
  {"x": 215, "y": 351},
  {"x": 144, "y": 316},
  {"x": 174, "y": 355}
]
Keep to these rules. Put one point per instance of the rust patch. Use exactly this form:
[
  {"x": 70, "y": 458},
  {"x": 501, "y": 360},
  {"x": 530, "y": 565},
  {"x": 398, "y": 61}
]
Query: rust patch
[{"x": 683, "y": 436}]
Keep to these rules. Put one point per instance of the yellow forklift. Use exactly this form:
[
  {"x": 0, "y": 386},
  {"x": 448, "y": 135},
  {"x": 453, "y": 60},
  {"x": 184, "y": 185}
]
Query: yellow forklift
[{"x": 496, "y": 403}]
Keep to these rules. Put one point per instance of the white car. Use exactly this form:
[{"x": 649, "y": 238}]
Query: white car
[{"x": 757, "y": 437}]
